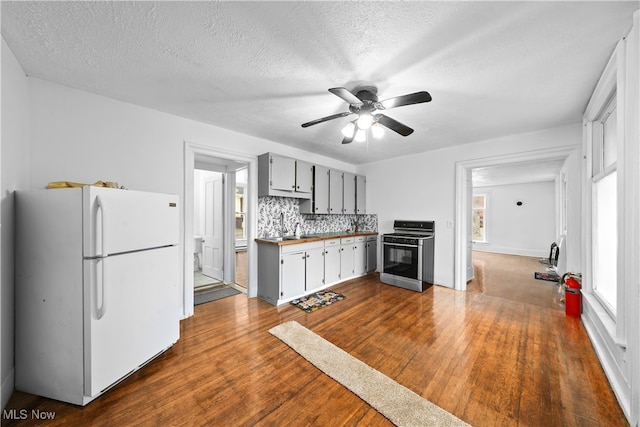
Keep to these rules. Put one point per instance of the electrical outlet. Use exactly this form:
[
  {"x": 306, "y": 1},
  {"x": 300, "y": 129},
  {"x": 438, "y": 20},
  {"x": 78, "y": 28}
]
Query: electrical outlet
[{"x": 449, "y": 224}]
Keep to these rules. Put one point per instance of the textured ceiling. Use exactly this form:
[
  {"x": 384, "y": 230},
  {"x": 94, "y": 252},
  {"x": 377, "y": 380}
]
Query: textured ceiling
[
  {"x": 263, "y": 68},
  {"x": 517, "y": 173}
]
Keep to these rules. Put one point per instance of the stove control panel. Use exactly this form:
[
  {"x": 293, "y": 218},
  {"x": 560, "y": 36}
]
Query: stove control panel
[{"x": 401, "y": 240}]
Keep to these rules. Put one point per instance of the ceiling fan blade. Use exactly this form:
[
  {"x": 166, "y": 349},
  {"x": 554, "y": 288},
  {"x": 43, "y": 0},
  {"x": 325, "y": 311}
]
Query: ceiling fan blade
[
  {"x": 394, "y": 125},
  {"x": 324, "y": 119},
  {"x": 412, "y": 98},
  {"x": 345, "y": 95},
  {"x": 347, "y": 140}
]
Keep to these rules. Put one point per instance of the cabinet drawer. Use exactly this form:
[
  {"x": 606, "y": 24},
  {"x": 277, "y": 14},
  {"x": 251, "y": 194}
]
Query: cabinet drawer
[
  {"x": 360, "y": 239},
  {"x": 332, "y": 242},
  {"x": 372, "y": 238},
  {"x": 300, "y": 247},
  {"x": 346, "y": 240}
]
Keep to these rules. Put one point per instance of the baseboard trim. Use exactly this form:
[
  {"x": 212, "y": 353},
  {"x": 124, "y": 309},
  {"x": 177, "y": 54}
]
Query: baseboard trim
[
  {"x": 607, "y": 360},
  {"x": 511, "y": 251},
  {"x": 8, "y": 385}
]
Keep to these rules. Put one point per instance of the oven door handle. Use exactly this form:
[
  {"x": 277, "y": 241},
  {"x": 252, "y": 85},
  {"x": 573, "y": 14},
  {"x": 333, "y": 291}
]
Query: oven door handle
[{"x": 400, "y": 244}]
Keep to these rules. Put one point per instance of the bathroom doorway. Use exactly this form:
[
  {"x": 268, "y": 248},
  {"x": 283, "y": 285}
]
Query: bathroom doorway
[
  {"x": 219, "y": 225},
  {"x": 239, "y": 267},
  {"x": 208, "y": 228}
]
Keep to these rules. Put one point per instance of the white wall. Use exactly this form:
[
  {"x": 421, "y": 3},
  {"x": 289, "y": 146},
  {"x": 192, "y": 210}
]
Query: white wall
[
  {"x": 423, "y": 186},
  {"x": 15, "y": 168},
  {"x": 526, "y": 230},
  {"x": 573, "y": 244},
  {"x": 80, "y": 136}
]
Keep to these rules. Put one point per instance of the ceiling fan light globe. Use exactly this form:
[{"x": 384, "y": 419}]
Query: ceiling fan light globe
[
  {"x": 348, "y": 130},
  {"x": 365, "y": 121},
  {"x": 377, "y": 130},
  {"x": 361, "y": 136}
]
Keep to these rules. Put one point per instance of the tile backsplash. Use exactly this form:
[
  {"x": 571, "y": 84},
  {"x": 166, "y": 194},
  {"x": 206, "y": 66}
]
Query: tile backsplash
[{"x": 270, "y": 208}]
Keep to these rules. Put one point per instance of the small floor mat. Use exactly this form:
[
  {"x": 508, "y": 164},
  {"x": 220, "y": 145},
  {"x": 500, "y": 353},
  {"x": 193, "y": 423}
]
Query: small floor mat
[
  {"x": 215, "y": 294},
  {"x": 549, "y": 277},
  {"x": 317, "y": 300}
]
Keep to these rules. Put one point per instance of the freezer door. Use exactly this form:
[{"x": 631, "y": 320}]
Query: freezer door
[
  {"x": 116, "y": 221},
  {"x": 131, "y": 307}
]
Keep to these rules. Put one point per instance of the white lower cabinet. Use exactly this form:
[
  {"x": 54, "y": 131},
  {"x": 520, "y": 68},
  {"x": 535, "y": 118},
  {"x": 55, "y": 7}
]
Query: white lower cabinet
[
  {"x": 293, "y": 270},
  {"x": 347, "y": 246},
  {"x": 331, "y": 261},
  {"x": 314, "y": 274},
  {"x": 360, "y": 256},
  {"x": 293, "y": 274}
]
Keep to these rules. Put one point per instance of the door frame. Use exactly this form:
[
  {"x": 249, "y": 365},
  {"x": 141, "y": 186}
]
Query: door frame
[
  {"x": 228, "y": 161},
  {"x": 463, "y": 209}
]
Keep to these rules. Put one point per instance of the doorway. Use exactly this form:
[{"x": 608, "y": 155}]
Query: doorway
[
  {"x": 208, "y": 228},
  {"x": 463, "y": 263},
  {"x": 225, "y": 219}
]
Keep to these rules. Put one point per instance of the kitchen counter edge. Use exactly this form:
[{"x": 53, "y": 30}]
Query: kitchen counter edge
[{"x": 314, "y": 239}]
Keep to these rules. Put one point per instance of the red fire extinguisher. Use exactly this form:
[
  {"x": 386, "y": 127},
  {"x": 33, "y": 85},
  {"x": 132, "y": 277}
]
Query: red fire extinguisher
[{"x": 572, "y": 296}]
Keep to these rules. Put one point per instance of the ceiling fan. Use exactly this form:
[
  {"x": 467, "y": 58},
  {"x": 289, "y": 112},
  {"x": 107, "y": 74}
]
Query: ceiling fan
[{"x": 365, "y": 104}]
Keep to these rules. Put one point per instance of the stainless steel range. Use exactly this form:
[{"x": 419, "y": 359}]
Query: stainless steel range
[{"x": 407, "y": 255}]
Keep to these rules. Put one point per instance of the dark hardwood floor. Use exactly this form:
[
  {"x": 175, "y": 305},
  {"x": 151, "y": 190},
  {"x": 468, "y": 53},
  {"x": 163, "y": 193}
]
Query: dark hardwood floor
[{"x": 487, "y": 359}]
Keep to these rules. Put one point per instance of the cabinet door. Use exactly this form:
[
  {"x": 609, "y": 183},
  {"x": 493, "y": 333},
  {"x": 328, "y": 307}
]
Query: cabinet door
[
  {"x": 332, "y": 264},
  {"x": 372, "y": 255},
  {"x": 292, "y": 274},
  {"x": 283, "y": 173},
  {"x": 349, "y": 193},
  {"x": 346, "y": 262},
  {"x": 304, "y": 177},
  {"x": 361, "y": 194},
  {"x": 321, "y": 190},
  {"x": 315, "y": 268},
  {"x": 359, "y": 258},
  {"x": 335, "y": 192}
]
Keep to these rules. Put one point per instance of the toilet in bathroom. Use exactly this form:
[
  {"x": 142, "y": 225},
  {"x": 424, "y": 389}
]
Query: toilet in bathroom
[{"x": 197, "y": 252}]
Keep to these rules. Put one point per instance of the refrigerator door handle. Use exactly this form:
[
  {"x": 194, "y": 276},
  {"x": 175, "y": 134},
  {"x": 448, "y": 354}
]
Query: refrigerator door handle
[
  {"x": 100, "y": 205},
  {"x": 102, "y": 308},
  {"x": 100, "y": 290}
]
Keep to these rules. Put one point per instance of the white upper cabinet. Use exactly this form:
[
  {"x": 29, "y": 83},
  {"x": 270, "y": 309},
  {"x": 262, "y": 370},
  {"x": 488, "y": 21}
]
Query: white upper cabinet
[
  {"x": 283, "y": 176},
  {"x": 348, "y": 193},
  {"x": 323, "y": 190},
  {"x": 319, "y": 204},
  {"x": 361, "y": 194},
  {"x": 335, "y": 191},
  {"x": 304, "y": 177}
]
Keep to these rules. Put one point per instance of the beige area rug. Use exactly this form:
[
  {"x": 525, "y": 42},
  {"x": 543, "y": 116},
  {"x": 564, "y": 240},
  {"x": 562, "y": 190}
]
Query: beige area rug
[{"x": 397, "y": 403}]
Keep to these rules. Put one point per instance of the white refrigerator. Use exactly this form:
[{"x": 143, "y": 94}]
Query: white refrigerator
[{"x": 97, "y": 287}]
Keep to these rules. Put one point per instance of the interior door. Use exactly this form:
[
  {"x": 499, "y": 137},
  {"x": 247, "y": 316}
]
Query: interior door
[{"x": 213, "y": 241}]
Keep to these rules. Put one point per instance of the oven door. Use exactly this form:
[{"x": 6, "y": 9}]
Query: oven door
[{"x": 402, "y": 260}]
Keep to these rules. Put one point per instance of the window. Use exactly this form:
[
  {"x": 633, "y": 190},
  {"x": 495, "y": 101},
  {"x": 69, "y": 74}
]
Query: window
[
  {"x": 604, "y": 207},
  {"x": 478, "y": 218},
  {"x": 241, "y": 208}
]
